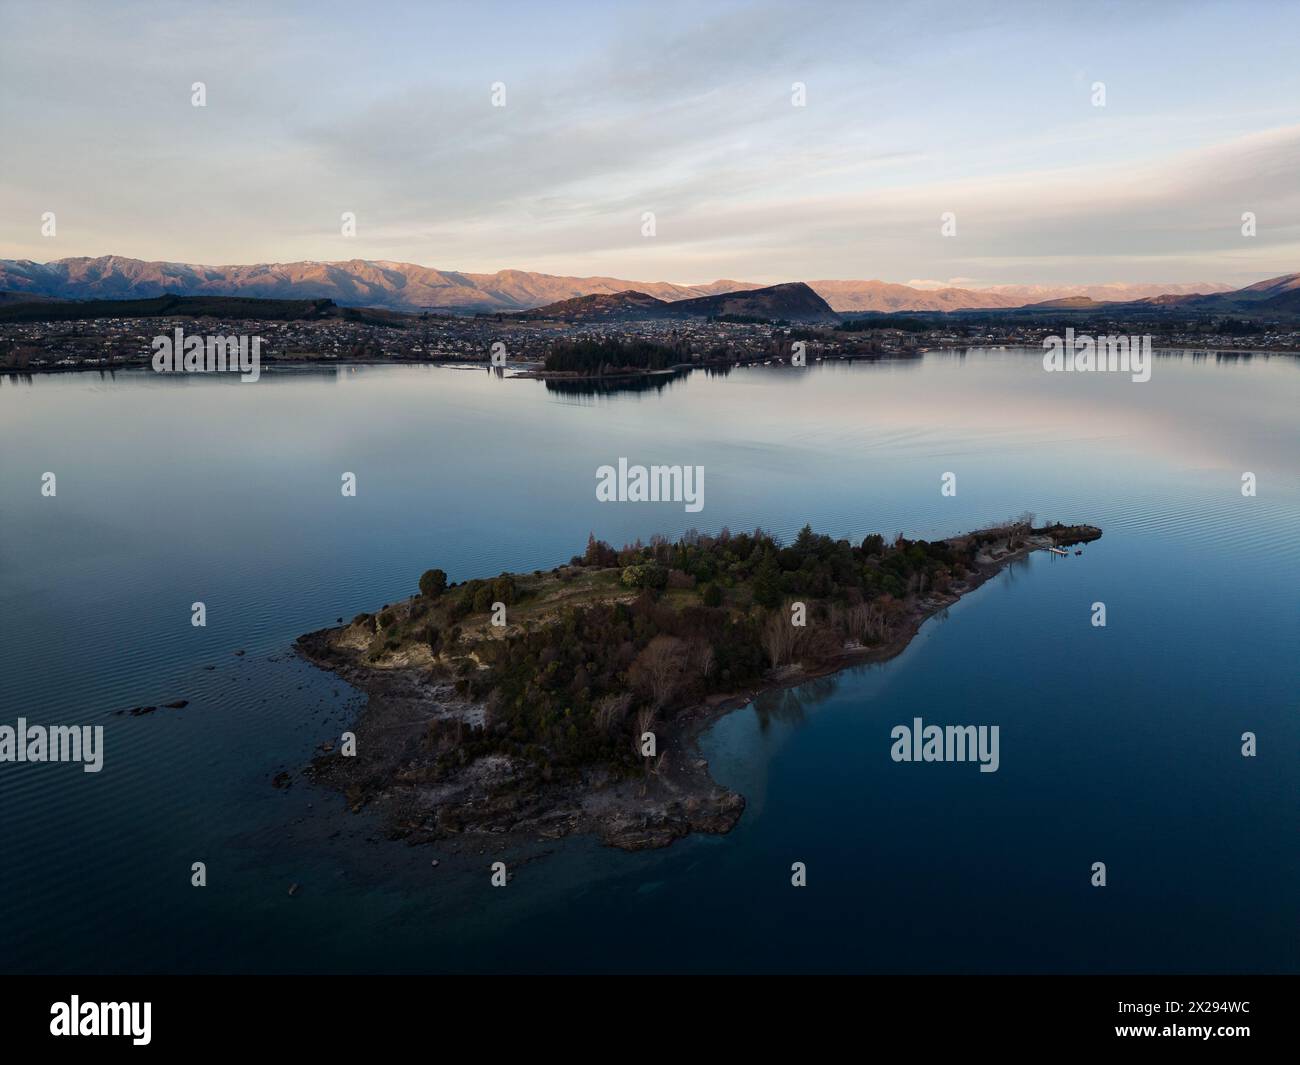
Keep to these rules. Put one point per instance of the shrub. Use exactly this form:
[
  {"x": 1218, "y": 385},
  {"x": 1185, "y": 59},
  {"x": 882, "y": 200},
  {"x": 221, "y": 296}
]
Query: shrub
[
  {"x": 647, "y": 575},
  {"x": 433, "y": 582}
]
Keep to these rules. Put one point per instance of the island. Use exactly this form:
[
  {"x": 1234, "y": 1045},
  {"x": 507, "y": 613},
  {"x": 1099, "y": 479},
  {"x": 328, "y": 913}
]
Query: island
[{"x": 571, "y": 700}]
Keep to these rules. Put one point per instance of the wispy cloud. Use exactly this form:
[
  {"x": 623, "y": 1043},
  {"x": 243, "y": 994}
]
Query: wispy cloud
[{"x": 677, "y": 109}]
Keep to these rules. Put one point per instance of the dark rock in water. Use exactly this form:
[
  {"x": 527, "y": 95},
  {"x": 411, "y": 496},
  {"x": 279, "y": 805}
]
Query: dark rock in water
[
  {"x": 239, "y": 653},
  {"x": 209, "y": 668},
  {"x": 179, "y": 704},
  {"x": 282, "y": 780},
  {"x": 136, "y": 711}
]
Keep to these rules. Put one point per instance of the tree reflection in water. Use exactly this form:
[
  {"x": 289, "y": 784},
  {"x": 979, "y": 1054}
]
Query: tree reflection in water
[{"x": 789, "y": 706}]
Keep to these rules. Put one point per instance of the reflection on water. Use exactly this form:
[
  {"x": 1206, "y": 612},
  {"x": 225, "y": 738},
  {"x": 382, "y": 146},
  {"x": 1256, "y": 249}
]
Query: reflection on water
[
  {"x": 789, "y": 706},
  {"x": 1118, "y": 744},
  {"x": 608, "y": 386}
]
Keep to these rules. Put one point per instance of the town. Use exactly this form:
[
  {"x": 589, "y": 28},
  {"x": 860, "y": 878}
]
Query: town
[{"x": 112, "y": 343}]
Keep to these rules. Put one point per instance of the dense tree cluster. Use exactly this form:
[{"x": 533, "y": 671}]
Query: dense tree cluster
[
  {"x": 595, "y": 357},
  {"x": 477, "y": 597},
  {"x": 712, "y": 614},
  {"x": 572, "y": 689}
]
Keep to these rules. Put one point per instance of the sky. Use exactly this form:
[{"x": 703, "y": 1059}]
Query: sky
[{"x": 687, "y": 111}]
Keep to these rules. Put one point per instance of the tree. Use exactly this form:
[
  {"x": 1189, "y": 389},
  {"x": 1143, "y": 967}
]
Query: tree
[
  {"x": 611, "y": 709},
  {"x": 648, "y": 575},
  {"x": 778, "y": 637},
  {"x": 433, "y": 582},
  {"x": 658, "y": 670},
  {"x": 767, "y": 583},
  {"x": 599, "y": 553}
]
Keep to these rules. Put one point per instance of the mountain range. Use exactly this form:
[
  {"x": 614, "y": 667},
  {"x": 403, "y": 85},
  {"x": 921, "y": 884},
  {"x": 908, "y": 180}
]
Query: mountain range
[
  {"x": 409, "y": 287},
  {"x": 1277, "y": 295}
]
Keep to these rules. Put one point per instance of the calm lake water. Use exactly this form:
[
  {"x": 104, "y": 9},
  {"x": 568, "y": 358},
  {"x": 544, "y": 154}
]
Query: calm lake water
[{"x": 1120, "y": 745}]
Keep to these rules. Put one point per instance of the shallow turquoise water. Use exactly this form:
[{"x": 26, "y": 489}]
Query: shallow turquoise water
[{"x": 1119, "y": 745}]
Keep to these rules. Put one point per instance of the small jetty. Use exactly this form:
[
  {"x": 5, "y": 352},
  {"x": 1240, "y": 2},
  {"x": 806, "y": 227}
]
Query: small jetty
[{"x": 1058, "y": 551}]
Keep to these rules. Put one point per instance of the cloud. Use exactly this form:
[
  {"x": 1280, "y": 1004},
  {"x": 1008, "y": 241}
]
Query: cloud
[{"x": 671, "y": 108}]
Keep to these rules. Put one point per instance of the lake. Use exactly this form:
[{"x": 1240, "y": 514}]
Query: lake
[{"x": 1120, "y": 744}]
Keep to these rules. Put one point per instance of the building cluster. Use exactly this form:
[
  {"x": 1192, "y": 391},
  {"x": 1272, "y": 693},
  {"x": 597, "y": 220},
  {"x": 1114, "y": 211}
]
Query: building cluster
[{"x": 124, "y": 342}]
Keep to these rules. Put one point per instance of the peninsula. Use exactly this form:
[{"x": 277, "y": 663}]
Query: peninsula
[{"x": 570, "y": 701}]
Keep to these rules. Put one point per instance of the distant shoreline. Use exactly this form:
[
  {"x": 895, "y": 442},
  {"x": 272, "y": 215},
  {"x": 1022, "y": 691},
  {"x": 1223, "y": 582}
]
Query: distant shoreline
[{"x": 530, "y": 370}]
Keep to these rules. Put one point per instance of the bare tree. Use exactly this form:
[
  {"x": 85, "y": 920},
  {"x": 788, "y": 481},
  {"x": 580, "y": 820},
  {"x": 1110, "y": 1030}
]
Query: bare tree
[
  {"x": 660, "y": 669},
  {"x": 645, "y": 719},
  {"x": 875, "y": 624},
  {"x": 863, "y": 622},
  {"x": 703, "y": 659},
  {"x": 611, "y": 710},
  {"x": 778, "y": 636}
]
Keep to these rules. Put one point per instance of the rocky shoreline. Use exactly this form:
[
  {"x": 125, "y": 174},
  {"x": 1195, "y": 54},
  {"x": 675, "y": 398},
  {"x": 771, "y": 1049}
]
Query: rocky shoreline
[{"x": 493, "y": 795}]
